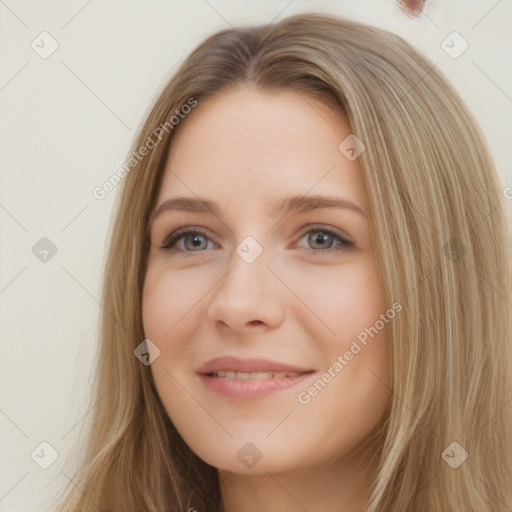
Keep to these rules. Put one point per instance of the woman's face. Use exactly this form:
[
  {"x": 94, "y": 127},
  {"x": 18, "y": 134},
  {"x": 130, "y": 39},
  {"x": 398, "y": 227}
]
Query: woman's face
[{"x": 271, "y": 321}]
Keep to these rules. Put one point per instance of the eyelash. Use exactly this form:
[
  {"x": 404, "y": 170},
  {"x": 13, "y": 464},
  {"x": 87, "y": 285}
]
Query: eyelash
[{"x": 171, "y": 240}]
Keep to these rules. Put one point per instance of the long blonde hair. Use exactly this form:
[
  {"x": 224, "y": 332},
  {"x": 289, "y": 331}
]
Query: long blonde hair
[{"x": 443, "y": 250}]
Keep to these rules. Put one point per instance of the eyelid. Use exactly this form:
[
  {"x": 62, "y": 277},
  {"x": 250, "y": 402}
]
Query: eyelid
[
  {"x": 189, "y": 229},
  {"x": 312, "y": 226},
  {"x": 186, "y": 229}
]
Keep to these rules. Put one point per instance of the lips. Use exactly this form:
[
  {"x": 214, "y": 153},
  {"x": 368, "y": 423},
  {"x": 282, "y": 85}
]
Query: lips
[
  {"x": 249, "y": 379},
  {"x": 253, "y": 375},
  {"x": 253, "y": 365}
]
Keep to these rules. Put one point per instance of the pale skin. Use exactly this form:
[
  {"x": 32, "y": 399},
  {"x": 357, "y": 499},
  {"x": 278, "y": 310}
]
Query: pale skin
[{"x": 299, "y": 302}]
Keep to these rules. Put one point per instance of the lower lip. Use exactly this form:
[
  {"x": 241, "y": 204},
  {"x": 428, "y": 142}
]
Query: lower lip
[{"x": 250, "y": 389}]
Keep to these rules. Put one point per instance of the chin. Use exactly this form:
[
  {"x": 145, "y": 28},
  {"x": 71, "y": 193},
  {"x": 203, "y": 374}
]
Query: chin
[{"x": 251, "y": 457}]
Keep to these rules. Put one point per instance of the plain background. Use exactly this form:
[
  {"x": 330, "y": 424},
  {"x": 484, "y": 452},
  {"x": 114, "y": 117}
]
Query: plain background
[{"x": 66, "y": 125}]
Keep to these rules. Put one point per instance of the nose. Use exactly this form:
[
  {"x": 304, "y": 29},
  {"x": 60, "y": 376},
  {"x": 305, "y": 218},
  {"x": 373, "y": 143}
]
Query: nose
[{"x": 248, "y": 296}]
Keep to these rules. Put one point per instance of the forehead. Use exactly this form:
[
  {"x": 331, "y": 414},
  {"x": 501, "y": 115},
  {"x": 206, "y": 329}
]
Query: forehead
[{"x": 262, "y": 145}]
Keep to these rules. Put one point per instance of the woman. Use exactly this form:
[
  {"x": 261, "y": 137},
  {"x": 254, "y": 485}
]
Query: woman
[{"x": 271, "y": 371}]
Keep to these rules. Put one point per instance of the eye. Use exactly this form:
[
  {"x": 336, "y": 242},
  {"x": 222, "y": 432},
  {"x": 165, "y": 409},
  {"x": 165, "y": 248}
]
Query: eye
[
  {"x": 193, "y": 240},
  {"x": 322, "y": 239}
]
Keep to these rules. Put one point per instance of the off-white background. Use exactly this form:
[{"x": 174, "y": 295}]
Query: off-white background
[{"x": 66, "y": 125}]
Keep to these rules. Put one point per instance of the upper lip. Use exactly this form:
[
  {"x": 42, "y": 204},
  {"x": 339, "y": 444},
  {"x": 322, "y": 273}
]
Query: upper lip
[{"x": 232, "y": 363}]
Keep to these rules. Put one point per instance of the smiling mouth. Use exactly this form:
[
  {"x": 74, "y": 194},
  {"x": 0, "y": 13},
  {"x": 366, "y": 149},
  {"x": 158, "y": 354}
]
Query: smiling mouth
[
  {"x": 230, "y": 374},
  {"x": 249, "y": 379},
  {"x": 248, "y": 386}
]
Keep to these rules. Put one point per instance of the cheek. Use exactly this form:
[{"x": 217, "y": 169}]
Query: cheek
[
  {"x": 168, "y": 299},
  {"x": 168, "y": 312},
  {"x": 362, "y": 323},
  {"x": 346, "y": 300},
  {"x": 351, "y": 304}
]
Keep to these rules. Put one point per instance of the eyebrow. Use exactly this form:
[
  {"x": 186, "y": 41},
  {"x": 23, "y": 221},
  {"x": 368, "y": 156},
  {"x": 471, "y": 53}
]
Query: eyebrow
[{"x": 296, "y": 204}]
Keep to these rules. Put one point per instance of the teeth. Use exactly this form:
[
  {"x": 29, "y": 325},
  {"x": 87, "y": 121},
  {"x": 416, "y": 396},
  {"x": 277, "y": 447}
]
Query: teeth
[{"x": 253, "y": 375}]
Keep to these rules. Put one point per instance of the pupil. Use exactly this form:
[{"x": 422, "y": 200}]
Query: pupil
[{"x": 321, "y": 238}]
